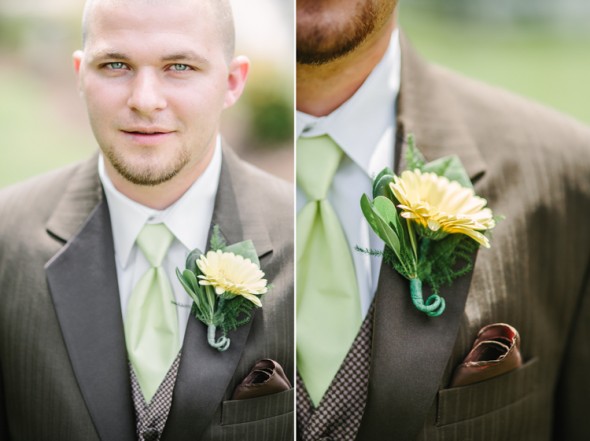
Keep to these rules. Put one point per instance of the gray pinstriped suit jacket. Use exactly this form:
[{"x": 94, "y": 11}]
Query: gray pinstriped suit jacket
[
  {"x": 63, "y": 365},
  {"x": 533, "y": 167}
]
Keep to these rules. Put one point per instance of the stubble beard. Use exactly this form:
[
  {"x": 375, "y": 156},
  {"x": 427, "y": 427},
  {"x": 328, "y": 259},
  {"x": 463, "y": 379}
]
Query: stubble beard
[
  {"x": 322, "y": 44},
  {"x": 147, "y": 175}
]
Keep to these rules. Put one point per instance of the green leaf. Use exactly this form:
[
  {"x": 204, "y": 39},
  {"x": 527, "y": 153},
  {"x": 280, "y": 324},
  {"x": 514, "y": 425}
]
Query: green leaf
[
  {"x": 385, "y": 172},
  {"x": 235, "y": 312},
  {"x": 245, "y": 249},
  {"x": 388, "y": 236},
  {"x": 210, "y": 298},
  {"x": 413, "y": 156},
  {"x": 191, "y": 260},
  {"x": 388, "y": 212},
  {"x": 451, "y": 168},
  {"x": 380, "y": 225},
  {"x": 190, "y": 277},
  {"x": 185, "y": 284},
  {"x": 400, "y": 226},
  {"x": 189, "y": 282},
  {"x": 368, "y": 212},
  {"x": 411, "y": 235},
  {"x": 381, "y": 183}
]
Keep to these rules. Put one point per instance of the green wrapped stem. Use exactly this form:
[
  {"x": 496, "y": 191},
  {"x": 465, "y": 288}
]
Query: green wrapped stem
[
  {"x": 221, "y": 344},
  {"x": 435, "y": 304}
]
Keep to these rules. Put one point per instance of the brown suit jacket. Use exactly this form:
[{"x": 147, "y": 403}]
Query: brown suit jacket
[
  {"x": 533, "y": 167},
  {"x": 63, "y": 365}
]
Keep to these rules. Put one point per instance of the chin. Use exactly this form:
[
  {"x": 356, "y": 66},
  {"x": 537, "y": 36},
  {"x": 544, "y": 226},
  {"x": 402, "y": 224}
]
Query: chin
[
  {"x": 148, "y": 176},
  {"x": 147, "y": 170}
]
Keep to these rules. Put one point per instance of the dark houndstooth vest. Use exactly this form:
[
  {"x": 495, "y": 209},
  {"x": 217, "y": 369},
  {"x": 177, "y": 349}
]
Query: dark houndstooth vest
[
  {"x": 150, "y": 419},
  {"x": 338, "y": 416}
]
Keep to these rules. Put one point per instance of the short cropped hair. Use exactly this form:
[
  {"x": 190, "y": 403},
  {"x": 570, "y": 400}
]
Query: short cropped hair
[{"x": 221, "y": 9}]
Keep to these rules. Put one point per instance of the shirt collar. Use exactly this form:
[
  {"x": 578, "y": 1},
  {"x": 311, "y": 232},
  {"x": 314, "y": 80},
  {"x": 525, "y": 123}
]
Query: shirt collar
[
  {"x": 358, "y": 124},
  {"x": 184, "y": 218}
]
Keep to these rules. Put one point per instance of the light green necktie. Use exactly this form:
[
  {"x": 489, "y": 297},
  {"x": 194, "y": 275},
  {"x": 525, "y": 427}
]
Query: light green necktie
[
  {"x": 328, "y": 304},
  {"x": 151, "y": 324}
]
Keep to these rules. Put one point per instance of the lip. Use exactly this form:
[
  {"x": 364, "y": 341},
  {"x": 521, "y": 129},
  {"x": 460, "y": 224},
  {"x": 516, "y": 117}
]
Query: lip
[{"x": 147, "y": 135}]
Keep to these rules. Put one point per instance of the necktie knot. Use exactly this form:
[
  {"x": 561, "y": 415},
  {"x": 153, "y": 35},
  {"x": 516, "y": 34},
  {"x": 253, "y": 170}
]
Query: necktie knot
[
  {"x": 154, "y": 241},
  {"x": 317, "y": 161}
]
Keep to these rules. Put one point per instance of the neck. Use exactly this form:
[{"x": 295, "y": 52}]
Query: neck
[
  {"x": 321, "y": 89},
  {"x": 163, "y": 195}
]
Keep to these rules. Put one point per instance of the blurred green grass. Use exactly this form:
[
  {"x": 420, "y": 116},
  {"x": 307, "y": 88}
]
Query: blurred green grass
[
  {"x": 33, "y": 139},
  {"x": 546, "y": 62}
]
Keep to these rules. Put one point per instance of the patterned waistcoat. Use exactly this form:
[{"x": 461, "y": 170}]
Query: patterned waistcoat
[
  {"x": 151, "y": 417},
  {"x": 338, "y": 416}
]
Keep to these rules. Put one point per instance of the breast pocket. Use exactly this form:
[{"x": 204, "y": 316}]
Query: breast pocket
[
  {"x": 461, "y": 404},
  {"x": 263, "y": 418}
]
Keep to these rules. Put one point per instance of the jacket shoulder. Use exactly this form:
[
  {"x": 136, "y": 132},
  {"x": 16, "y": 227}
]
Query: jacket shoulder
[
  {"x": 34, "y": 199},
  {"x": 271, "y": 195},
  {"x": 519, "y": 139},
  {"x": 495, "y": 114},
  {"x": 277, "y": 189}
]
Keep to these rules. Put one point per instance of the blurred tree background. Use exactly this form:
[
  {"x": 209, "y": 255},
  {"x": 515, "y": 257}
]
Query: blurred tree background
[
  {"x": 43, "y": 122},
  {"x": 537, "y": 48}
]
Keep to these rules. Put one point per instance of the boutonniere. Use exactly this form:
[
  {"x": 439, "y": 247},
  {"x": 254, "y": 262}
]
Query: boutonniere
[
  {"x": 226, "y": 285},
  {"x": 431, "y": 221}
]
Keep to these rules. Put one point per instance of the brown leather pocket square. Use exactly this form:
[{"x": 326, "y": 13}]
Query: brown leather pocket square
[
  {"x": 496, "y": 351},
  {"x": 266, "y": 377}
]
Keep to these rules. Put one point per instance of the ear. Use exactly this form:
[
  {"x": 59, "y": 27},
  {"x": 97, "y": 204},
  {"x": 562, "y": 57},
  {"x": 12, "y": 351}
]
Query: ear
[
  {"x": 77, "y": 58},
  {"x": 236, "y": 80}
]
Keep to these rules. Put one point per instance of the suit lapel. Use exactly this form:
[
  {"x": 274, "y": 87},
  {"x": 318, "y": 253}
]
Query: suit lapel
[
  {"x": 409, "y": 354},
  {"x": 410, "y": 350},
  {"x": 427, "y": 109},
  {"x": 204, "y": 373},
  {"x": 83, "y": 284}
]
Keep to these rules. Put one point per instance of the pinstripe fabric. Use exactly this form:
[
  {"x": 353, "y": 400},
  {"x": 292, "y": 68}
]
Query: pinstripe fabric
[
  {"x": 45, "y": 397},
  {"x": 535, "y": 170},
  {"x": 41, "y": 376}
]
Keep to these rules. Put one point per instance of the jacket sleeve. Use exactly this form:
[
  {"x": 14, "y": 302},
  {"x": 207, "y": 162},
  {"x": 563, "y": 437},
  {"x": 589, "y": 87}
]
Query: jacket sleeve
[{"x": 573, "y": 389}]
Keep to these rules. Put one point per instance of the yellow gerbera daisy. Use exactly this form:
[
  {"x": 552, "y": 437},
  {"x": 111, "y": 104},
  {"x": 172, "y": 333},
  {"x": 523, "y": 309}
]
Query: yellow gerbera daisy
[
  {"x": 229, "y": 272},
  {"x": 442, "y": 207}
]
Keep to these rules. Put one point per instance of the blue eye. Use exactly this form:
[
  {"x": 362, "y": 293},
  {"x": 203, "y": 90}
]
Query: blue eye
[
  {"x": 116, "y": 65},
  {"x": 179, "y": 67}
]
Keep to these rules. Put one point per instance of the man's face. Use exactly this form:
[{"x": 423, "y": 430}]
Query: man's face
[
  {"x": 155, "y": 79},
  {"x": 330, "y": 29}
]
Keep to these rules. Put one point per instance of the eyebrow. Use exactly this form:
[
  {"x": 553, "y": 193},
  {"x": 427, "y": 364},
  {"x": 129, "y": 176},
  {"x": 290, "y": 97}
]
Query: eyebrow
[
  {"x": 177, "y": 56},
  {"x": 186, "y": 56},
  {"x": 110, "y": 54}
]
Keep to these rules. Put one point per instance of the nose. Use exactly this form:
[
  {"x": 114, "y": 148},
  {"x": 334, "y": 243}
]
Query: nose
[{"x": 147, "y": 93}]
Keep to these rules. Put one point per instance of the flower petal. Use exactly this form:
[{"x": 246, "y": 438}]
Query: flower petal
[
  {"x": 439, "y": 204},
  {"x": 233, "y": 274}
]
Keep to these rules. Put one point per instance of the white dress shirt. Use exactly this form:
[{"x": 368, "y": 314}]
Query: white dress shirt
[
  {"x": 364, "y": 128},
  {"x": 188, "y": 219}
]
